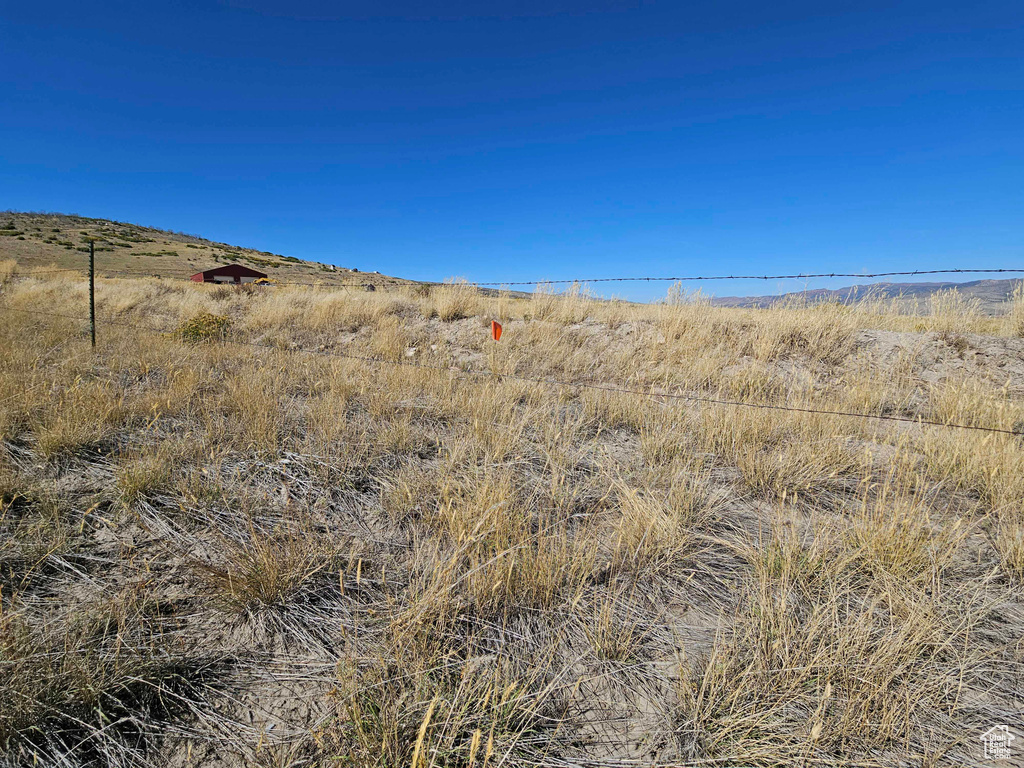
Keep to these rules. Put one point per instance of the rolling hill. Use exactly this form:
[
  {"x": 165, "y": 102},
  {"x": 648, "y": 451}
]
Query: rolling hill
[
  {"x": 61, "y": 241},
  {"x": 993, "y": 296}
]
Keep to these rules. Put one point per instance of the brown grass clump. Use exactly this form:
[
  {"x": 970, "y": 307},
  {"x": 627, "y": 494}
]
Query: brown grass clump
[
  {"x": 454, "y": 301},
  {"x": 80, "y": 418},
  {"x": 826, "y": 679},
  {"x": 391, "y": 340},
  {"x": 8, "y": 269},
  {"x": 448, "y": 711},
  {"x": 1016, "y": 313},
  {"x": 268, "y": 571},
  {"x": 893, "y": 533},
  {"x": 94, "y": 687},
  {"x": 405, "y": 544},
  {"x": 1009, "y": 542},
  {"x": 654, "y": 532},
  {"x": 835, "y": 656},
  {"x": 567, "y": 307},
  {"x": 144, "y": 475}
]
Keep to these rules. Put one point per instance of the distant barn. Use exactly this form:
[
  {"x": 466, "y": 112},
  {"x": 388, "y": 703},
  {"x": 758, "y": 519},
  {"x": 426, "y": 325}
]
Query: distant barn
[{"x": 229, "y": 273}]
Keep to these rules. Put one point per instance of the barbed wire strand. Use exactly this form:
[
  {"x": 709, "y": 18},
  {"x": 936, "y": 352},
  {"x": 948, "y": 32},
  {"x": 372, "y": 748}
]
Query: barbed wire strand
[
  {"x": 466, "y": 373},
  {"x": 45, "y": 382},
  {"x": 369, "y": 278},
  {"x": 686, "y": 278}
]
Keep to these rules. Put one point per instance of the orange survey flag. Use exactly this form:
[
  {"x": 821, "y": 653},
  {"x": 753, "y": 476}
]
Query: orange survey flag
[{"x": 495, "y": 330}]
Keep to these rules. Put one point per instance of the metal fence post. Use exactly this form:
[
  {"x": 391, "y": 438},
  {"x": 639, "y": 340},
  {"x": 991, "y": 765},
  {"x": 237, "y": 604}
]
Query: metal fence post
[{"x": 92, "y": 291}]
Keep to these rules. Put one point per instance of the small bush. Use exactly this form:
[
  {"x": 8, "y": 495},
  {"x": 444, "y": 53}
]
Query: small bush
[{"x": 204, "y": 327}]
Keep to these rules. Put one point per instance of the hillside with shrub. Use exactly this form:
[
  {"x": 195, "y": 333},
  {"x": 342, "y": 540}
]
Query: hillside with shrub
[{"x": 61, "y": 241}]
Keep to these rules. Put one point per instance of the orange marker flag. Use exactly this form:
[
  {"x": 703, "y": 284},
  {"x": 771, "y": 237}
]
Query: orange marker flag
[{"x": 495, "y": 330}]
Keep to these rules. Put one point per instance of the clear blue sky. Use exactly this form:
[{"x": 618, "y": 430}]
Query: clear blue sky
[{"x": 508, "y": 140}]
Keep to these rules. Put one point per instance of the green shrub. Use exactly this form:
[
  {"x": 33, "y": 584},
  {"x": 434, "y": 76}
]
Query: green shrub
[{"x": 204, "y": 327}]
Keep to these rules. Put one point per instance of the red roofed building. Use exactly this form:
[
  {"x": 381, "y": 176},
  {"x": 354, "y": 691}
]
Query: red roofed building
[{"x": 229, "y": 273}]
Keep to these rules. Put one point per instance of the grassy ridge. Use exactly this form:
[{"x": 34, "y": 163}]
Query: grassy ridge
[{"x": 44, "y": 240}]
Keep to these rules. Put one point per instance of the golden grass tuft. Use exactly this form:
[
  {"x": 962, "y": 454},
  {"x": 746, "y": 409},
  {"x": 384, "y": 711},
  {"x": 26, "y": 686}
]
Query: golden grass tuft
[
  {"x": 1009, "y": 542},
  {"x": 267, "y": 571},
  {"x": 453, "y": 301}
]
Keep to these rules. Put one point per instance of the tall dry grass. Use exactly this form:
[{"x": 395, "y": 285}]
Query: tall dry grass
[{"x": 450, "y": 563}]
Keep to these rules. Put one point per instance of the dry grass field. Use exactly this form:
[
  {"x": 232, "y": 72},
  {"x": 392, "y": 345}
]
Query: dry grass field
[{"x": 301, "y": 527}]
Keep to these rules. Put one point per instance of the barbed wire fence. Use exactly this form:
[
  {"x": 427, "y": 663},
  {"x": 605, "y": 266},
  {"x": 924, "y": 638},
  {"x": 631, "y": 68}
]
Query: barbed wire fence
[
  {"x": 592, "y": 385},
  {"x": 383, "y": 280}
]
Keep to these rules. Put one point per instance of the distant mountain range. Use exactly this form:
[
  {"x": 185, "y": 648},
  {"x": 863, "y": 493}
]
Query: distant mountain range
[{"x": 991, "y": 295}]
